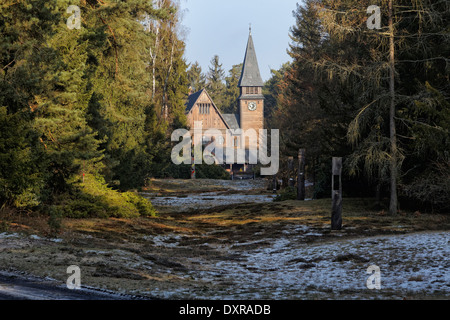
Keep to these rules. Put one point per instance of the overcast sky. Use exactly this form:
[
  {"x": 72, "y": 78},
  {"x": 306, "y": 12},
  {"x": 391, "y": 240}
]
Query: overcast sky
[{"x": 221, "y": 27}]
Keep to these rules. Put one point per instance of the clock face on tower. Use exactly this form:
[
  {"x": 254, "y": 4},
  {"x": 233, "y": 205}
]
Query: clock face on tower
[{"x": 252, "y": 106}]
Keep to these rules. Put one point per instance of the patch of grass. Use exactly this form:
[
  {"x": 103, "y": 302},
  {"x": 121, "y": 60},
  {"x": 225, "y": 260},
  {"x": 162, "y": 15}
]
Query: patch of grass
[{"x": 182, "y": 186}]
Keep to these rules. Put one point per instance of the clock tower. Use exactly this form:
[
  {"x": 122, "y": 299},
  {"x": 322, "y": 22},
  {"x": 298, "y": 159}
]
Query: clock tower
[{"x": 251, "y": 100}]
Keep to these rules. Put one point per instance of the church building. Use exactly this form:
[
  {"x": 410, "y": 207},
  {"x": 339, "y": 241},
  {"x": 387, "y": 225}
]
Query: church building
[{"x": 200, "y": 107}]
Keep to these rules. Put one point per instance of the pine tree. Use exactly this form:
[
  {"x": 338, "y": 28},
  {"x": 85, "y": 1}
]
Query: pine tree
[
  {"x": 215, "y": 82},
  {"x": 23, "y": 28},
  {"x": 60, "y": 116},
  {"x": 196, "y": 78},
  {"x": 232, "y": 91}
]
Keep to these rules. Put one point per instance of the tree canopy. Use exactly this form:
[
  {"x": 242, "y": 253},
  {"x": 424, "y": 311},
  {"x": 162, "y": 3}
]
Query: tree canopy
[{"x": 338, "y": 87}]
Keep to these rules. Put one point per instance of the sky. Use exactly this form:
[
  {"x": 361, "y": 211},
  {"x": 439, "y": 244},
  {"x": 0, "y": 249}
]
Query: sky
[{"x": 218, "y": 27}]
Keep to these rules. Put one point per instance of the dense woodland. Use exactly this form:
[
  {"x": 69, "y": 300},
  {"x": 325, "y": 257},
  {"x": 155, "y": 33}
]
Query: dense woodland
[
  {"x": 86, "y": 114},
  {"x": 378, "y": 98}
]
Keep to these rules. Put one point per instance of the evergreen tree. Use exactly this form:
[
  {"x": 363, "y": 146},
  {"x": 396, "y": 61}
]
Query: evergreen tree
[
  {"x": 369, "y": 92},
  {"x": 23, "y": 29},
  {"x": 271, "y": 92},
  {"x": 78, "y": 101},
  {"x": 215, "y": 82},
  {"x": 232, "y": 91},
  {"x": 196, "y": 78},
  {"x": 60, "y": 116}
]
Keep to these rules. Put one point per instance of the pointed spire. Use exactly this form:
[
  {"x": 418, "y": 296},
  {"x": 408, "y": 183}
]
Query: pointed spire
[{"x": 250, "y": 76}]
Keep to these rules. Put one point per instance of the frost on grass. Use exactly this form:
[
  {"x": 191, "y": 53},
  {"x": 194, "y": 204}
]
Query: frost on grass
[{"x": 411, "y": 265}]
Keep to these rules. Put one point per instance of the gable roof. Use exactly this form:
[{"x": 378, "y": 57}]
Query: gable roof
[
  {"x": 192, "y": 99},
  {"x": 231, "y": 121},
  {"x": 250, "y": 76}
]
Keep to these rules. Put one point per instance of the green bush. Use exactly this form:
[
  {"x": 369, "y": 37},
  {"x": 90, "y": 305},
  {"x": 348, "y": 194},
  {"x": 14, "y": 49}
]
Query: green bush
[
  {"x": 94, "y": 199},
  {"x": 204, "y": 171},
  {"x": 289, "y": 193},
  {"x": 143, "y": 205},
  {"x": 183, "y": 171}
]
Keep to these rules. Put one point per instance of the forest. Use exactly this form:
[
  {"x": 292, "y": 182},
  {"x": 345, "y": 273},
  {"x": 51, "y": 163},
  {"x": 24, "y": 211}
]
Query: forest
[
  {"x": 86, "y": 112},
  {"x": 379, "y": 98}
]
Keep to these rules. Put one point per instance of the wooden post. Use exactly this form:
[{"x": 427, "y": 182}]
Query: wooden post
[
  {"x": 193, "y": 171},
  {"x": 193, "y": 166},
  {"x": 274, "y": 184},
  {"x": 301, "y": 175},
  {"x": 336, "y": 194},
  {"x": 291, "y": 181}
]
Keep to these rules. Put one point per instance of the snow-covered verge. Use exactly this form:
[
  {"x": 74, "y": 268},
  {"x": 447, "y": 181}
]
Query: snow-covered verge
[{"x": 411, "y": 266}]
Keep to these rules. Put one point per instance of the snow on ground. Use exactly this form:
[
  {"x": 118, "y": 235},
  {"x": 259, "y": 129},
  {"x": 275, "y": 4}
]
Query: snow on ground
[
  {"x": 411, "y": 265},
  {"x": 207, "y": 200}
]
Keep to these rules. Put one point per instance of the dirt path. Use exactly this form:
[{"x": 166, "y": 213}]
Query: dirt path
[{"x": 16, "y": 287}]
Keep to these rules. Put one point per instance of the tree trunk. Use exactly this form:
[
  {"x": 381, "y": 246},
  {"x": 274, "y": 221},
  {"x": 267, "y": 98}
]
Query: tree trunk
[
  {"x": 291, "y": 181},
  {"x": 336, "y": 194},
  {"x": 165, "y": 110},
  {"x": 314, "y": 178},
  {"x": 393, "y": 205},
  {"x": 153, "y": 56}
]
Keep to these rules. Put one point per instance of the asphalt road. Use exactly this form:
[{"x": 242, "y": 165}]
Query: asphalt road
[{"x": 13, "y": 287}]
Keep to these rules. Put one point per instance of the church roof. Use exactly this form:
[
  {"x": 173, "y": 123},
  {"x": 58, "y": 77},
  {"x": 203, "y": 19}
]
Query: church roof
[
  {"x": 192, "y": 99},
  {"x": 250, "y": 76},
  {"x": 232, "y": 120}
]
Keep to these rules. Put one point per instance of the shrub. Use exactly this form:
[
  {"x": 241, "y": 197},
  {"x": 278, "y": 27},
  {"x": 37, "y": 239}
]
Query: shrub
[
  {"x": 204, "y": 171},
  {"x": 431, "y": 189},
  {"x": 143, "y": 205},
  {"x": 94, "y": 199},
  {"x": 54, "y": 220},
  {"x": 183, "y": 171},
  {"x": 289, "y": 193}
]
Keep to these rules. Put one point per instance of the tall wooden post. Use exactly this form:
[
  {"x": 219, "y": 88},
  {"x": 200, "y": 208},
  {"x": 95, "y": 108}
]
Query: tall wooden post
[
  {"x": 193, "y": 171},
  {"x": 336, "y": 194},
  {"x": 192, "y": 165},
  {"x": 301, "y": 175},
  {"x": 274, "y": 184},
  {"x": 291, "y": 181}
]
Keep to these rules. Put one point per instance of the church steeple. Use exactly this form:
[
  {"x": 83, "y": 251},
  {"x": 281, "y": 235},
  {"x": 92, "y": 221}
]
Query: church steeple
[
  {"x": 251, "y": 100},
  {"x": 250, "y": 76}
]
